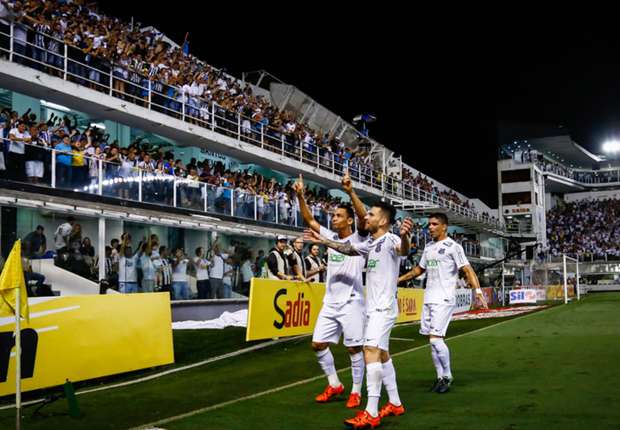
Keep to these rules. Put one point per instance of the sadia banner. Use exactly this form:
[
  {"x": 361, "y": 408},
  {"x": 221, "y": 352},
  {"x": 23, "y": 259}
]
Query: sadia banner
[
  {"x": 410, "y": 301},
  {"x": 85, "y": 337},
  {"x": 282, "y": 308},
  {"x": 287, "y": 308}
]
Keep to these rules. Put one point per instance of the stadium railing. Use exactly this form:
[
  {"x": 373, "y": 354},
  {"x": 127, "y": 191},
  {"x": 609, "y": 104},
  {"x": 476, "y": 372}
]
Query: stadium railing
[{"x": 139, "y": 185}]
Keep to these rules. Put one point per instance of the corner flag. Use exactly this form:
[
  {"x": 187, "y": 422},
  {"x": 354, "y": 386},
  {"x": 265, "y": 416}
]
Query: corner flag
[{"x": 12, "y": 279}]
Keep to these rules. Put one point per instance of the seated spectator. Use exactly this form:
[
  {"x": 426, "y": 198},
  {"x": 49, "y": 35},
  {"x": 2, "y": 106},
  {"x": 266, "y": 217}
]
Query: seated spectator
[{"x": 34, "y": 244}]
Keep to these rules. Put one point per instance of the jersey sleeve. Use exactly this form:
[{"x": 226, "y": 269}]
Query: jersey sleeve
[
  {"x": 458, "y": 255},
  {"x": 395, "y": 248},
  {"x": 422, "y": 262}
]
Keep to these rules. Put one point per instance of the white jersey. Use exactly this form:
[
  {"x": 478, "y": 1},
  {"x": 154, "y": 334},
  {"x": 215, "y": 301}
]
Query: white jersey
[
  {"x": 442, "y": 260},
  {"x": 127, "y": 269},
  {"x": 344, "y": 273},
  {"x": 382, "y": 270}
]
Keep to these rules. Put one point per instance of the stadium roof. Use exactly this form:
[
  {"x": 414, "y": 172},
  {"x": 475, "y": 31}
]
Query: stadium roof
[{"x": 564, "y": 150}]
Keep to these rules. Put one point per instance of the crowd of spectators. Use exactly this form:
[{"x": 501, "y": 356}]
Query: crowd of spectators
[
  {"x": 551, "y": 166},
  {"x": 26, "y": 149},
  {"x": 586, "y": 229}
]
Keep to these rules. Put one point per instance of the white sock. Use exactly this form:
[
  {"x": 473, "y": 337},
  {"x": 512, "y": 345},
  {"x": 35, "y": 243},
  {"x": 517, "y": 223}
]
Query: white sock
[
  {"x": 443, "y": 354},
  {"x": 374, "y": 375},
  {"x": 436, "y": 362},
  {"x": 326, "y": 361},
  {"x": 389, "y": 382},
  {"x": 357, "y": 371}
]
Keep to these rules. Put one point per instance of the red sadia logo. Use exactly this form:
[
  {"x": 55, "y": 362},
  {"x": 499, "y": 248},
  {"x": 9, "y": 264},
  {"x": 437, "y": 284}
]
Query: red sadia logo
[
  {"x": 407, "y": 305},
  {"x": 295, "y": 314}
]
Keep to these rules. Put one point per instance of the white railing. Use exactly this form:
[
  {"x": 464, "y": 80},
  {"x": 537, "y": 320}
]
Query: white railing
[
  {"x": 111, "y": 179},
  {"x": 117, "y": 80}
]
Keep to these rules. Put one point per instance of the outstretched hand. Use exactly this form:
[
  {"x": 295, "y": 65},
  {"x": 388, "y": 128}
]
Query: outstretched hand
[{"x": 312, "y": 236}]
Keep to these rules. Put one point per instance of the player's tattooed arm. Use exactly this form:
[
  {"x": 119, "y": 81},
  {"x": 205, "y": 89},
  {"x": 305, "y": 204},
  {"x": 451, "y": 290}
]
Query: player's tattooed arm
[
  {"x": 343, "y": 248},
  {"x": 413, "y": 273}
]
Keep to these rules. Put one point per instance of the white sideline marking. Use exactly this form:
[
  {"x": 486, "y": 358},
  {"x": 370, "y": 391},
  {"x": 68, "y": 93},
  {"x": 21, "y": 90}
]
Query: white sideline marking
[
  {"x": 315, "y": 378},
  {"x": 167, "y": 372},
  {"x": 403, "y": 339}
]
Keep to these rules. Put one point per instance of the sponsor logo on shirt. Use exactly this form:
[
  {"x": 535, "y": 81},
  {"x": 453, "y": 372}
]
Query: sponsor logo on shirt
[
  {"x": 448, "y": 244},
  {"x": 337, "y": 258},
  {"x": 432, "y": 263},
  {"x": 372, "y": 263}
]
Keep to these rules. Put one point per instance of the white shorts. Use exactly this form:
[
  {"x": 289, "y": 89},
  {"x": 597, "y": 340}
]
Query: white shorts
[
  {"x": 435, "y": 319},
  {"x": 379, "y": 327},
  {"x": 347, "y": 320},
  {"x": 34, "y": 169}
]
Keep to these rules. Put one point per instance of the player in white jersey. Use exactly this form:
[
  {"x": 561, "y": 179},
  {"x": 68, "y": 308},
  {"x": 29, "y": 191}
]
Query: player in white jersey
[
  {"x": 343, "y": 310},
  {"x": 441, "y": 261},
  {"x": 382, "y": 251}
]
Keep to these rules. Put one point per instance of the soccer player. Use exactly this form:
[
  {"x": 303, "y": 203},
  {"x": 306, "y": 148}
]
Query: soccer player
[
  {"x": 382, "y": 251},
  {"x": 343, "y": 310},
  {"x": 441, "y": 260}
]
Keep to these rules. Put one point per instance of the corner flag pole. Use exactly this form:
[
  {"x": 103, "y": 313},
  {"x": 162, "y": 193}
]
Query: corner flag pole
[{"x": 18, "y": 362}]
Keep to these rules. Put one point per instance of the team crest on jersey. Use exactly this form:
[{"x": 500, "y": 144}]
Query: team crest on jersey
[
  {"x": 378, "y": 247},
  {"x": 442, "y": 251}
]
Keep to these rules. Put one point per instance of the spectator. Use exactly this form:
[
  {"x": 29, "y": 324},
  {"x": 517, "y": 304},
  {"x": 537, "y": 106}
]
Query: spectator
[
  {"x": 128, "y": 267},
  {"x": 277, "y": 262},
  {"x": 180, "y": 280},
  {"x": 314, "y": 266},
  {"x": 202, "y": 274},
  {"x": 246, "y": 273},
  {"x": 148, "y": 267},
  {"x": 63, "y": 234},
  {"x": 296, "y": 260},
  {"x": 35, "y": 243},
  {"x": 216, "y": 272},
  {"x": 16, "y": 158}
]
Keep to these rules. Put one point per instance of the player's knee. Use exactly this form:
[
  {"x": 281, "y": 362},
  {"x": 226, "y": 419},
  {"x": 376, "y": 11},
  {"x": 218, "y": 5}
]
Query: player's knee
[
  {"x": 319, "y": 346},
  {"x": 372, "y": 354}
]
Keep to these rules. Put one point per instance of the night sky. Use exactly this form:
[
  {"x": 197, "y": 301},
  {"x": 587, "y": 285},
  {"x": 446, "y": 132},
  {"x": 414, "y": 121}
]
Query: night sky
[{"x": 438, "y": 90}]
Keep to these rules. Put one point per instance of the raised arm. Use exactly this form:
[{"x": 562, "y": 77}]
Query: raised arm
[
  {"x": 343, "y": 248},
  {"x": 299, "y": 188},
  {"x": 405, "y": 240},
  {"x": 360, "y": 209}
]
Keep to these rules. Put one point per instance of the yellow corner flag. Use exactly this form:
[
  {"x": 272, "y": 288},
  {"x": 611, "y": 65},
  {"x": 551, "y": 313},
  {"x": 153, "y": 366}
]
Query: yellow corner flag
[{"x": 12, "y": 279}]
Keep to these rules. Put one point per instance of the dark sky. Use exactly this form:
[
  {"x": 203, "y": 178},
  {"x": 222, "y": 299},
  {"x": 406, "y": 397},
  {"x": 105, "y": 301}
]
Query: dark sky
[{"x": 438, "y": 86}]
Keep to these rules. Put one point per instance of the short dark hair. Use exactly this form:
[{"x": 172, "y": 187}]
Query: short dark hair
[
  {"x": 388, "y": 210},
  {"x": 198, "y": 250},
  {"x": 347, "y": 207},
  {"x": 40, "y": 227},
  {"x": 443, "y": 218}
]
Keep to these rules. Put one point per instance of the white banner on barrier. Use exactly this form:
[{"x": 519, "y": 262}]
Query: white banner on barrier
[
  {"x": 522, "y": 296},
  {"x": 463, "y": 300}
]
